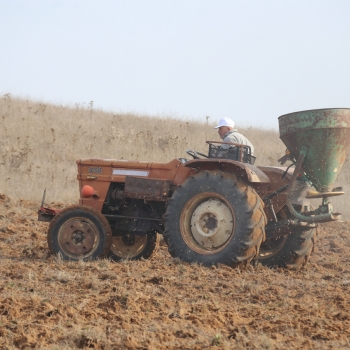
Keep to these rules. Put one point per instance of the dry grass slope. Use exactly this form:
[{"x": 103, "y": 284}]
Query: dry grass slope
[{"x": 39, "y": 144}]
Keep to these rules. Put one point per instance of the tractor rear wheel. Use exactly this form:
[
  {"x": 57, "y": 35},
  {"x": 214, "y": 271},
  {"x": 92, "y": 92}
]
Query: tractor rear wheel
[
  {"x": 79, "y": 233},
  {"x": 291, "y": 250},
  {"x": 215, "y": 218},
  {"x": 134, "y": 247}
]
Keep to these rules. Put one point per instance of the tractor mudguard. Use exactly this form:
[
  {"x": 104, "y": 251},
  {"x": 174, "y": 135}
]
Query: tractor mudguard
[
  {"x": 280, "y": 176},
  {"x": 247, "y": 171}
]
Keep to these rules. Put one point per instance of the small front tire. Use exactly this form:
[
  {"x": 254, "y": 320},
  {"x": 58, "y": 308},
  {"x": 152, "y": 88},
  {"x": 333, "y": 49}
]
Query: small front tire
[
  {"x": 79, "y": 233},
  {"x": 134, "y": 247}
]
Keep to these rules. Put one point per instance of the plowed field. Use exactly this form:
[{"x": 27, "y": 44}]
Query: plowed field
[{"x": 47, "y": 303}]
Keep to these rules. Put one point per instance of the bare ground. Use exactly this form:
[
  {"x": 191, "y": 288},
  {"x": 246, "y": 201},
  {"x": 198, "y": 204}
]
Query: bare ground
[{"x": 47, "y": 303}]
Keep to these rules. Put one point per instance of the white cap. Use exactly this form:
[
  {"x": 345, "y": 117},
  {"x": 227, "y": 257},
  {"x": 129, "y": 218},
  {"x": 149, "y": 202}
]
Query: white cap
[{"x": 225, "y": 122}]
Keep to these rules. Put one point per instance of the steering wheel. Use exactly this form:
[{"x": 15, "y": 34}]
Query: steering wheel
[{"x": 195, "y": 154}]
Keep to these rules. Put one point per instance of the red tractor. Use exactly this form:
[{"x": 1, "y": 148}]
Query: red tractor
[{"x": 215, "y": 208}]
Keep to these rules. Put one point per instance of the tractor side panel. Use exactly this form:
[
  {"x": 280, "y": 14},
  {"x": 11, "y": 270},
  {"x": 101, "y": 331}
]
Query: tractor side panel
[
  {"x": 99, "y": 173},
  {"x": 147, "y": 189}
]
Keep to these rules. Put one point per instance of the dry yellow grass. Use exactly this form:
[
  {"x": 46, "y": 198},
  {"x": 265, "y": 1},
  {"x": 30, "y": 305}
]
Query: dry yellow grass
[{"x": 39, "y": 144}]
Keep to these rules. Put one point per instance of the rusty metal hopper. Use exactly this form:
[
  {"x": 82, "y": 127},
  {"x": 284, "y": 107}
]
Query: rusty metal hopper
[{"x": 323, "y": 137}]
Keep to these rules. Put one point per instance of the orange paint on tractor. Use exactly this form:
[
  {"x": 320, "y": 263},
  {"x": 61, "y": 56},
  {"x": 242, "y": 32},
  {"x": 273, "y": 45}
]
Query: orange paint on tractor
[{"x": 87, "y": 191}]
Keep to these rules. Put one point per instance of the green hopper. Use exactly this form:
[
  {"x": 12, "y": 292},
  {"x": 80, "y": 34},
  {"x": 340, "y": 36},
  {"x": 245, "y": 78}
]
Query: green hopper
[{"x": 318, "y": 142}]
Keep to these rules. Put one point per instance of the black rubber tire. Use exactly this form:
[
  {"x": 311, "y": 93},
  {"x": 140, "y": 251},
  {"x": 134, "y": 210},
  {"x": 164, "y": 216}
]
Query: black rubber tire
[
  {"x": 240, "y": 199},
  {"x": 292, "y": 251},
  {"x": 146, "y": 251},
  {"x": 83, "y": 222}
]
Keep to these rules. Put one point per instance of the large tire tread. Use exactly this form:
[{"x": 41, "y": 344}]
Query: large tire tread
[
  {"x": 302, "y": 245},
  {"x": 296, "y": 251},
  {"x": 153, "y": 247},
  {"x": 248, "y": 210},
  {"x": 258, "y": 222}
]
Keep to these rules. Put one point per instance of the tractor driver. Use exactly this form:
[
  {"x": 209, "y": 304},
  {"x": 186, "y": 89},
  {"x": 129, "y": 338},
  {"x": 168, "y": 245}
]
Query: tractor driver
[{"x": 229, "y": 134}]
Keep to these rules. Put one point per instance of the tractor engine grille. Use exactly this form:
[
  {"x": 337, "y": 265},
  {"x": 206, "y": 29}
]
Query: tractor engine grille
[{"x": 148, "y": 189}]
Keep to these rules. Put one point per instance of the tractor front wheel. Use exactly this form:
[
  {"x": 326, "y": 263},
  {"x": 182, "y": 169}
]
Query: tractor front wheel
[
  {"x": 134, "y": 247},
  {"x": 79, "y": 233}
]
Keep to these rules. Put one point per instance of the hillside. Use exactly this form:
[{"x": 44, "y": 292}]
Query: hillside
[{"x": 39, "y": 144}]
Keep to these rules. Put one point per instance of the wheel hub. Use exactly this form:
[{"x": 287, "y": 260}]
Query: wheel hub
[
  {"x": 212, "y": 224},
  {"x": 128, "y": 246},
  {"x": 128, "y": 239},
  {"x": 78, "y": 237}
]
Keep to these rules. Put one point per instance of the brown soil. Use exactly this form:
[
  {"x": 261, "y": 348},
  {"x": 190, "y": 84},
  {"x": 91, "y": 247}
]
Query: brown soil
[{"x": 163, "y": 303}]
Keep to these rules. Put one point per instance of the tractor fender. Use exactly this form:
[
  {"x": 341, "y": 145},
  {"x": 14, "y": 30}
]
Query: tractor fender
[
  {"x": 250, "y": 172},
  {"x": 281, "y": 176}
]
